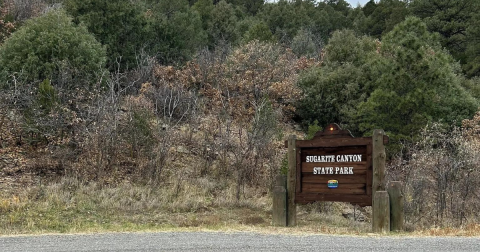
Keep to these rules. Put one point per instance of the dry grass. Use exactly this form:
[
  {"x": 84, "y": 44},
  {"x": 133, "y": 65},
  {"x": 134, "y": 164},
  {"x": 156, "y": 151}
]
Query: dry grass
[
  {"x": 200, "y": 204},
  {"x": 468, "y": 230},
  {"x": 70, "y": 206}
]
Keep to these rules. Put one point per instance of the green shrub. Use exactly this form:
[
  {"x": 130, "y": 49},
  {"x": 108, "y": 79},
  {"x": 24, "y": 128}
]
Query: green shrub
[
  {"x": 312, "y": 129},
  {"x": 305, "y": 44},
  {"x": 118, "y": 24},
  {"x": 416, "y": 82},
  {"x": 46, "y": 95},
  {"x": 175, "y": 32},
  {"x": 258, "y": 31},
  {"x": 51, "y": 46}
]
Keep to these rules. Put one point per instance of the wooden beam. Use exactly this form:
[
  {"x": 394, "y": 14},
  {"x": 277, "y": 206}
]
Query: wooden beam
[
  {"x": 381, "y": 212},
  {"x": 379, "y": 156},
  {"x": 291, "y": 182},
  {"x": 298, "y": 178},
  {"x": 369, "y": 173},
  {"x": 378, "y": 183},
  {"x": 396, "y": 206},
  {"x": 279, "y": 207}
]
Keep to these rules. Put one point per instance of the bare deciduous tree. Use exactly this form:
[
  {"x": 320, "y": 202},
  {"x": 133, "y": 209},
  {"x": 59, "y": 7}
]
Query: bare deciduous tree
[{"x": 441, "y": 177}]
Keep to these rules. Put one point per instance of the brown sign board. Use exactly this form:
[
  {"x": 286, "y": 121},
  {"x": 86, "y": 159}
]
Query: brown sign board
[{"x": 334, "y": 166}]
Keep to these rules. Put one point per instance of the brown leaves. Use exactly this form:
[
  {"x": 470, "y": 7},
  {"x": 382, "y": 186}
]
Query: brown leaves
[
  {"x": 472, "y": 126},
  {"x": 250, "y": 74},
  {"x": 172, "y": 77},
  {"x": 20, "y": 10},
  {"x": 471, "y": 129},
  {"x": 6, "y": 28},
  {"x": 235, "y": 84}
]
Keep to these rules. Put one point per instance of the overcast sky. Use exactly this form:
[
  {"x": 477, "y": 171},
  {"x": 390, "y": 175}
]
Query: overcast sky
[{"x": 354, "y": 3}]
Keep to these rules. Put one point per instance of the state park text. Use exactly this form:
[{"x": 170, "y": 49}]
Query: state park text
[{"x": 333, "y": 159}]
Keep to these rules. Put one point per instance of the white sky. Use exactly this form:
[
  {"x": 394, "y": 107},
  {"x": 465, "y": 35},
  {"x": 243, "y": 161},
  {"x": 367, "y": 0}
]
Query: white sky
[{"x": 354, "y": 3}]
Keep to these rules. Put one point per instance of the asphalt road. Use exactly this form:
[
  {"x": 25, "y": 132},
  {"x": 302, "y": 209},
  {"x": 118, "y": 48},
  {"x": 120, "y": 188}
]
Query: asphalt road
[{"x": 204, "y": 241}]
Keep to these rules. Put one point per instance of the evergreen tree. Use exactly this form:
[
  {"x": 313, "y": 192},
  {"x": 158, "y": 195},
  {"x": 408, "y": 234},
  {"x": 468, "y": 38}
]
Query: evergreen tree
[
  {"x": 251, "y": 6},
  {"x": 414, "y": 82},
  {"x": 332, "y": 92},
  {"x": 286, "y": 19},
  {"x": 224, "y": 25},
  {"x": 369, "y": 8},
  {"x": 117, "y": 24},
  {"x": 384, "y": 16},
  {"x": 175, "y": 31},
  {"x": 204, "y": 8},
  {"x": 258, "y": 30},
  {"x": 472, "y": 64},
  {"x": 50, "y": 47},
  {"x": 451, "y": 19}
]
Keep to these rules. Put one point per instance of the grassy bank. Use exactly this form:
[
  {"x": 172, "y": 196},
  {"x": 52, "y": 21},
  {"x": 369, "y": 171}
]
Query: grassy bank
[{"x": 70, "y": 206}]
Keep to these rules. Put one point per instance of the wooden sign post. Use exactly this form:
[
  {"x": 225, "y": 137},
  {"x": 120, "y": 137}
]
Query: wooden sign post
[
  {"x": 396, "y": 206},
  {"x": 291, "y": 182},
  {"x": 381, "y": 202},
  {"x": 335, "y": 166},
  {"x": 279, "y": 212}
]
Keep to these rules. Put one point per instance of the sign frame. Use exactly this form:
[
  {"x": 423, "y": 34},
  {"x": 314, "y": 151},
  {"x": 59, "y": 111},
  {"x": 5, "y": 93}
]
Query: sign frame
[{"x": 358, "y": 188}]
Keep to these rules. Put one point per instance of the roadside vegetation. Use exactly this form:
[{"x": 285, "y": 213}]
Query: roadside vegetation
[{"x": 158, "y": 115}]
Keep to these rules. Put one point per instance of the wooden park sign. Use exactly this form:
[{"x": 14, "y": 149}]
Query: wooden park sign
[{"x": 334, "y": 166}]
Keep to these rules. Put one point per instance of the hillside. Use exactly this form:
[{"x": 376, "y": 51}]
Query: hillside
[{"x": 130, "y": 115}]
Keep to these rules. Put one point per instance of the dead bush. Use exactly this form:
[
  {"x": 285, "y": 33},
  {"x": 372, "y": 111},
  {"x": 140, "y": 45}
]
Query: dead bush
[
  {"x": 441, "y": 176},
  {"x": 6, "y": 27},
  {"x": 22, "y": 10}
]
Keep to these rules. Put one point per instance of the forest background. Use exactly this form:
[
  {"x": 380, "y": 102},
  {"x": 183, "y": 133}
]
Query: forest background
[{"x": 117, "y": 115}]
